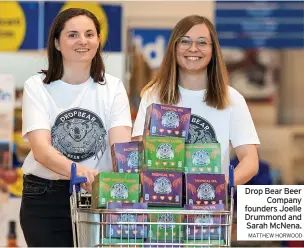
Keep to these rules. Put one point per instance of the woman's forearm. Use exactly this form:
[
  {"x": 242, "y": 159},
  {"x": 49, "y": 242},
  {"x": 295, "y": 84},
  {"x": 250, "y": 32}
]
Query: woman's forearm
[
  {"x": 245, "y": 170},
  {"x": 56, "y": 162}
]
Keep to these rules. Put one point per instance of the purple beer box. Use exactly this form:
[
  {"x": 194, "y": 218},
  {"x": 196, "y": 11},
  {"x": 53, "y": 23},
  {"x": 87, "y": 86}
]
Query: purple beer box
[
  {"x": 162, "y": 188},
  {"x": 137, "y": 231},
  {"x": 167, "y": 120},
  {"x": 206, "y": 243},
  {"x": 127, "y": 157},
  {"x": 207, "y": 225},
  {"x": 205, "y": 188}
]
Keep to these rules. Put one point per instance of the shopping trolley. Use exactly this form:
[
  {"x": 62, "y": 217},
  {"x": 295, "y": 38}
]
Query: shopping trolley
[{"x": 90, "y": 225}]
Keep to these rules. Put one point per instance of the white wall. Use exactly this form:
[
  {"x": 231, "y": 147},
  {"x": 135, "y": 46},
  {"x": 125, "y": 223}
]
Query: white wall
[
  {"x": 22, "y": 65},
  {"x": 163, "y": 13}
]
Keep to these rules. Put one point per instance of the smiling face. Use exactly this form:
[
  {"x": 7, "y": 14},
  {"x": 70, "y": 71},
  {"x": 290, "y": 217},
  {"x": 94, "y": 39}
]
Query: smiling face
[
  {"x": 194, "y": 56},
  {"x": 78, "y": 41}
]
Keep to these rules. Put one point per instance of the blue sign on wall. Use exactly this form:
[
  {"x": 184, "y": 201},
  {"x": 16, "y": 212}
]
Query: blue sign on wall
[
  {"x": 152, "y": 43},
  {"x": 254, "y": 24},
  {"x": 19, "y": 24},
  {"x": 110, "y": 17},
  {"x": 31, "y": 11}
]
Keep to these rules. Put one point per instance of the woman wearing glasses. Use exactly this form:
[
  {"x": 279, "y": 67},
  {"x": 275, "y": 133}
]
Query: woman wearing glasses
[{"x": 193, "y": 74}]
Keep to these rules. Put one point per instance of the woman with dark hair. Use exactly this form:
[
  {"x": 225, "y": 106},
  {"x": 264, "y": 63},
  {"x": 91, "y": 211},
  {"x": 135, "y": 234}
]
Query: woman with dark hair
[
  {"x": 72, "y": 112},
  {"x": 193, "y": 74}
]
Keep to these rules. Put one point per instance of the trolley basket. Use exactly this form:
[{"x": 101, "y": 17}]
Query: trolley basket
[{"x": 148, "y": 228}]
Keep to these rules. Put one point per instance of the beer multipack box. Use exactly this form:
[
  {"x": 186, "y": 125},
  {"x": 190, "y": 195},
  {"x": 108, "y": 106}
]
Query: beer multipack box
[
  {"x": 205, "y": 188},
  {"x": 168, "y": 227},
  {"x": 120, "y": 242},
  {"x": 115, "y": 187},
  {"x": 164, "y": 153},
  {"x": 167, "y": 120},
  {"x": 203, "y": 158},
  {"x": 205, "y": 243},
  {"x": 160, "y": 188},
  {"x": 137, "y": 231},
  {"x": 127, "y": 157},
  {"x": 208, "y": 226}
]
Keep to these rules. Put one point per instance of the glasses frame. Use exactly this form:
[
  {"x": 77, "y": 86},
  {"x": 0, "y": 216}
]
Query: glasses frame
[{"x": 192, "y": 41}]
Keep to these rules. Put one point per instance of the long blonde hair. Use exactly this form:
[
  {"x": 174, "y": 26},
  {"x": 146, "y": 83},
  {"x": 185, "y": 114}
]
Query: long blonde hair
[{"x": 167, "y": 77}]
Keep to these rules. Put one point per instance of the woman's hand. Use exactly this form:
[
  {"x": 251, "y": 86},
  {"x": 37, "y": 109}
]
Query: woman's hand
[{"x": 89, "y": 174}]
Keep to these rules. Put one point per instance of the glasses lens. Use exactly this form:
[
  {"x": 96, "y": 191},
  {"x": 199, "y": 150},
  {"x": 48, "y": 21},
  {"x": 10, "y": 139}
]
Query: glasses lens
[
  {"x": 185, "y": 43},
  {"x": 202, "y": 44}
]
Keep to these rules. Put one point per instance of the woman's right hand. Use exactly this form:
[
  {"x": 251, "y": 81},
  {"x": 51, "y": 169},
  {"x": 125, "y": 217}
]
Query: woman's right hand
[{"x": 89, "y": 174}]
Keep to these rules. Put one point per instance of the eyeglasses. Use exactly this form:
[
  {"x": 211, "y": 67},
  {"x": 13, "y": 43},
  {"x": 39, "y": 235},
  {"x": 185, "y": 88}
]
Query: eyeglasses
[{"x": 201, "y": 43}]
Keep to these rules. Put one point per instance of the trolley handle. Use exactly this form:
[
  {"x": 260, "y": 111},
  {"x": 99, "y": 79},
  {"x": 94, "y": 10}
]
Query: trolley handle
[
  {"x": 231, "y": 176},
  {"x": 75, "y": 180}
]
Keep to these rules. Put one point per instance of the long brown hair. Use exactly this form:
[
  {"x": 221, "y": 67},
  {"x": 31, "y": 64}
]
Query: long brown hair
[
  {"x": 166, "y": 80},
  {"x": 55, "y": 64}
]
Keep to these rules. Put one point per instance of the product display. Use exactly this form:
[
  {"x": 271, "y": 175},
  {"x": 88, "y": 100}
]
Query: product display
[
  {"x": 164, "y": 153},
  {"x": 127, "y": 157},
  {"x": 158, "y": 245},
  {"x": 126, "y": 230},
  {"x": 115, "y": 187},
  {"x": 162, "y": 188},
  {"x": 124, "y": 241},
  {"x": 165, "y": 173},
  {"x": 203, "y": 232},
  {"x": 205, "y": 188},
  {"x": 167, "y": 120},
  {"x": 214, "y": 243},
  {"x": 203, "y": 158},
  {"x": 167, "y": 229}
]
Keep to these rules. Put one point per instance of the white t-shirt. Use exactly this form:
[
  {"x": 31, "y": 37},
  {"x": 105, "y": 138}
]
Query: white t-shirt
[
  {"x": 79, "y": 118},
  {"x": 209, "y": 125}
]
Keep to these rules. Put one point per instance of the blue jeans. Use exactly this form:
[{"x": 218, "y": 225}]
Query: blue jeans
[{"x": 45, "y": 212}]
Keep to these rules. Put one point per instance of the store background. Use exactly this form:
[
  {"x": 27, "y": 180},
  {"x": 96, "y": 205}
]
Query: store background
[{"x": 265, "y": 57}]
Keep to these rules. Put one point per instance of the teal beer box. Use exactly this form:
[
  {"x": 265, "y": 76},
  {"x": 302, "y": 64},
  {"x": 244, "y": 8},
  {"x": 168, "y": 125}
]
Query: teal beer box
[
  {"x": 168, "y": 226},
  {"x": 115, "y": 187},
  {"x": 203, "y": 158},
  {"x": 164, "y": 153}
]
